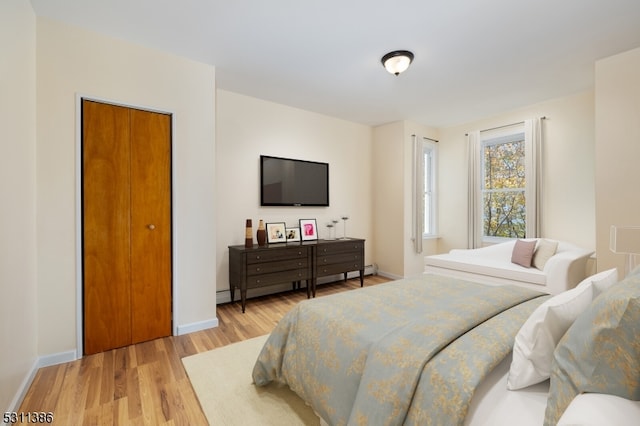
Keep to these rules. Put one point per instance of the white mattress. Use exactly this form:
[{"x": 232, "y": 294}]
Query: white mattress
[{"x": 494, "y": 405}]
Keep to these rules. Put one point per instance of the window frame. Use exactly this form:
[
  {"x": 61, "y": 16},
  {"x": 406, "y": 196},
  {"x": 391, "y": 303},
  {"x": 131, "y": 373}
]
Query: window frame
[
  {"x": 510, "y": 134},
  {"x": 430, "y": 193}
]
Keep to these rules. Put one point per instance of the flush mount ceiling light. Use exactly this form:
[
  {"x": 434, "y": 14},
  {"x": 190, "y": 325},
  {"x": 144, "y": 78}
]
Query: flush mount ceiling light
[{"x": 397, "y": 61}]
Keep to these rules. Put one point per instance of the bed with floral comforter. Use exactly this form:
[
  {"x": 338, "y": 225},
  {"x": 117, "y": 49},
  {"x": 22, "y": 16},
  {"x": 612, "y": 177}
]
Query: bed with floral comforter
[{"x": 406, "y": 352}]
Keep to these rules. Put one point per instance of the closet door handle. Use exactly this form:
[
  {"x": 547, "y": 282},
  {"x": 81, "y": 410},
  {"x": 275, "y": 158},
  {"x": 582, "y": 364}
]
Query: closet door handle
[{"x": 151, "y": 227}]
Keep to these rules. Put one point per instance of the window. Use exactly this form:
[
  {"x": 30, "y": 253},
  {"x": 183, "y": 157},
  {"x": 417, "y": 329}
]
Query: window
[
  {"x": 429, "y": 220},
  {"x": 504, "y": 183},
  {"x": 503, "y": 187},
  {"x": 424, "y": 190}
]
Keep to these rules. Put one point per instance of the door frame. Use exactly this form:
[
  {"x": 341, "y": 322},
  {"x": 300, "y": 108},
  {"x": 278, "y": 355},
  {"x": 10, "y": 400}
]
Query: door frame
[{"x": 78, "y": 220}]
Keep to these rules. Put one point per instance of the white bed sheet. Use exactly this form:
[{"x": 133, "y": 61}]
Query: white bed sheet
[{"x": 494, "y": 405}]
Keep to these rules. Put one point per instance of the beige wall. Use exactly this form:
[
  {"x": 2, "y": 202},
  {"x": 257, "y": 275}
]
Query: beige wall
[
  {"x": 248, "y": 127},
  {"x": 617, "y": 149},
  {"x": 18, "y": 276},
  {"x": 568, "y": 205},
  {"x": 74, "y": 62},
  {"x": 388, "y": 197},
  {"x": 393, "y": 199}
]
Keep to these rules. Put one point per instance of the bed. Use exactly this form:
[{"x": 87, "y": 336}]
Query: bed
[{"x": 437, "y": 350}]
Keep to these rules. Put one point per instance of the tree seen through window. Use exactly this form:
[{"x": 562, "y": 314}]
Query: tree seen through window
[{"x": 503, "y": 189}]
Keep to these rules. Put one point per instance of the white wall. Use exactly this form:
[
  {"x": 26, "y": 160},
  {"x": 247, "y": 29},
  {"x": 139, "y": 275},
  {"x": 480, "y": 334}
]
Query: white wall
[
  {"x": 617, "y": 149},
  {"x": 18, "y": 276},
  {"x": 248, "y": 127},
  {"x": 75, "y": 62},
  {"x": 568, "y": 205}
]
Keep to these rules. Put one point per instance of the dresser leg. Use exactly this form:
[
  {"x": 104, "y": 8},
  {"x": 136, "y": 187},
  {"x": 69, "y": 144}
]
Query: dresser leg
[
  {"x": 361, "y": 277},
  {"x": 243, "y": 299}
]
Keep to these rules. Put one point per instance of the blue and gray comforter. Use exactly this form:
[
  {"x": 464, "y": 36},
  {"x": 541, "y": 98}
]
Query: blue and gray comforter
[{"x": 406, "y": 352}]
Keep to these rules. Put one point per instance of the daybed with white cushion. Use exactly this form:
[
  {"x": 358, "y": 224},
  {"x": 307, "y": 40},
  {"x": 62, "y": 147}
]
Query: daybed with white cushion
[{"x": 562, "y": 270}]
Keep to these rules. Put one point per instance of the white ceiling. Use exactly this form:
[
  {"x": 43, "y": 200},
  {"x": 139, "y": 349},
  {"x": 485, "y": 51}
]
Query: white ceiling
[{"x": 473, "y": 58}]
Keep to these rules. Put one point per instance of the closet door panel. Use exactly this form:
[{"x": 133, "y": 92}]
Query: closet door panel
[
  {"x": 106, "y": 226},
  {"x": 151, "y": 225}
]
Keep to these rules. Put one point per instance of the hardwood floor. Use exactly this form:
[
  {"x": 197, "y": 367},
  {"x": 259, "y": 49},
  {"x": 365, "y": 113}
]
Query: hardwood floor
[{"x": 146, "y": 384}]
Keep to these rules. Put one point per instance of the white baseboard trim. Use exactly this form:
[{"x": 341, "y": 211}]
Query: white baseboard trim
[
  {"x": 197, "y": 326},
  {"x": 40, "y": 362},
  {"x": 55, "y": 359},
  {"x": 224, "y": 296},
  {"x": 390, "y": 276},
  {"x": 23, "y": 388}
]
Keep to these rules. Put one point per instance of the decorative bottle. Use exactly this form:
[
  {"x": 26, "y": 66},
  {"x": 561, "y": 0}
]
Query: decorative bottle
[
  {"x": 248, "y": 239},
  {"x": 261, "y": 234}
]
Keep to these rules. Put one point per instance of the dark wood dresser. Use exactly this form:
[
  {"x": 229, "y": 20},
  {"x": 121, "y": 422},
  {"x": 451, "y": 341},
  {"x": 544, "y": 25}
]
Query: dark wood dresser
[
  {"x": 292, "y": 263},
  {"x": 338, "y": 257}
]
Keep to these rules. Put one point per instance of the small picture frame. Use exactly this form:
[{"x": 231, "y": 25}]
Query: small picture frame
[
  {"x": 276, "y": 232},
  {"x": 308, "y": 229},
  {"x": 293, "y": 235}
]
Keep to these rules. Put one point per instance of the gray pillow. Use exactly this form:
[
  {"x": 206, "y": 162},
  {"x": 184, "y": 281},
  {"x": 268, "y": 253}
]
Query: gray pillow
[{"x": 600, "y": 352}]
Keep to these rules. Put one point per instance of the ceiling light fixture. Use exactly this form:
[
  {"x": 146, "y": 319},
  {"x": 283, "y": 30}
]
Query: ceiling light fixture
[{"x": 397, "y": 61}]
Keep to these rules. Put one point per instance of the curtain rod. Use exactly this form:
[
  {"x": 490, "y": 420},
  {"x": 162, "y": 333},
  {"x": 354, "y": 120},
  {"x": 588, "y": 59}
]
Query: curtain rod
[
  {"x": 506, "y": 125},
  {"x": 429, "y": 139}
]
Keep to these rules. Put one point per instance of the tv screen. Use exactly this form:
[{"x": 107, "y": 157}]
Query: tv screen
[{"x": 289, "y": 182}]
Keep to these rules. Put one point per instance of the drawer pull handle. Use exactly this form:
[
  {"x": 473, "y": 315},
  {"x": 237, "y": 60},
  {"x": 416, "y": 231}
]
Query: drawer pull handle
[
  {"x": 257, "y": 269},
  {"x": 257, "y": 257}
]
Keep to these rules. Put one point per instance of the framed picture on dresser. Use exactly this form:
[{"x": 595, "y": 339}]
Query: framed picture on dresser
[
  {"x": 276, "y": 233},
  {"x": 308, "y": 229},
  {"x": 293, "y": 235}
]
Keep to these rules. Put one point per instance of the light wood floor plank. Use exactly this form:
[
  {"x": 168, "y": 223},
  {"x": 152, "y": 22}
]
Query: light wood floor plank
[{"x": 146, "y": 384}]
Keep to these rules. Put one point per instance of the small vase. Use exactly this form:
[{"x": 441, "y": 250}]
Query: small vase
[
  {"x": 261, "y": 235},
  {"x": 248, "y": 238}
]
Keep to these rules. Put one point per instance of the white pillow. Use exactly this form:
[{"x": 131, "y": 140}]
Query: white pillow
[
  {"x": 600, "y": 281},
  {"x": 541, "y": 332}
]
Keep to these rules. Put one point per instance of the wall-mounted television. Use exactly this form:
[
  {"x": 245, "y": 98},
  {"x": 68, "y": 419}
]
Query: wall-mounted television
[{"x": 289, "y": 182}]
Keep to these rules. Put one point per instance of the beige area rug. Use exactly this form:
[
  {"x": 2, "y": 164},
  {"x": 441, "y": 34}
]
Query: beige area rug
[{"x": 222, "y": 381}]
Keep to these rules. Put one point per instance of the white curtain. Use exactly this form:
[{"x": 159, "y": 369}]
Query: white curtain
[
  {"x": 474, "y": 221},
  {"x": 418, "y": 197},
  {"x": 533, "y": 175}
]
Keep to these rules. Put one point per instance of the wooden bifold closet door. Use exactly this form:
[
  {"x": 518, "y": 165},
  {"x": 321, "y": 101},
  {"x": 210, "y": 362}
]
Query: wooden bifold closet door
[{"x": 126, "y": 200}]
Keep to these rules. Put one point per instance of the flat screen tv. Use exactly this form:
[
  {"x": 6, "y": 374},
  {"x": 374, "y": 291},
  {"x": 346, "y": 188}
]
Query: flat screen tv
[{"x": 289, "y": 182}]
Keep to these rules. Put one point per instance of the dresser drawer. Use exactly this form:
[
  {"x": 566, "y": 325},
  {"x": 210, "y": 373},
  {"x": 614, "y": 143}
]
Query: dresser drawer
[
  {"x": 277, "y": 278},
  {"x": 280, "y": 265},
  {"x": 340, "y": 247},
  {"x": 278, "y": 254},
  {"x": 338, "y": 268},
  {"x": 340, "y": 258}
]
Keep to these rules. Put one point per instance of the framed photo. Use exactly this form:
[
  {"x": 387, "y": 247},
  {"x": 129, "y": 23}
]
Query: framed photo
[
  {"x": 293, "y": 235},
  {"x": 276, "y": 233},
  {"x": 308, "y": 229}
]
